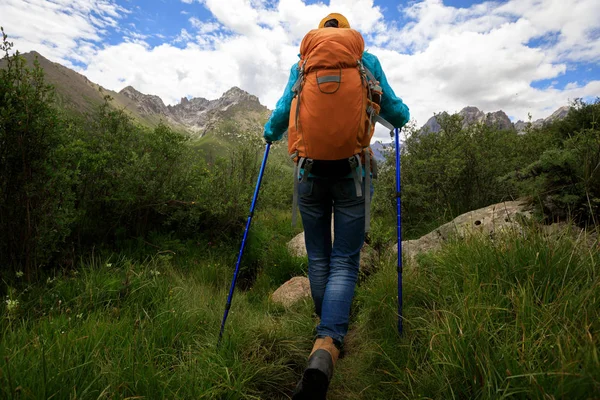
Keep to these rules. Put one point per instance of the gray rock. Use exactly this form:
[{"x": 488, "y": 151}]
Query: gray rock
[
  {"x": 559, "y": 114},
  {"x": 296, "y": 246},
  {"x": 498, "y": 119},
  {"x": 472, "y": 116},
  {"x": 292, "y": 291},
  {"x": 382, "y": 150},
  {"x": 432, "y": 125},
  {"x": 488, "y": 221}
]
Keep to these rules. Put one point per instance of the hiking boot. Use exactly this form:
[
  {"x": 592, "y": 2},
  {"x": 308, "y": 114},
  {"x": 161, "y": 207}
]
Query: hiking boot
[{"x": 319, "y": 371}]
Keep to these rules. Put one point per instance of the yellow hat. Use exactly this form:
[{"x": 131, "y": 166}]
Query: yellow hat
[{"x": 342, "y": 21}]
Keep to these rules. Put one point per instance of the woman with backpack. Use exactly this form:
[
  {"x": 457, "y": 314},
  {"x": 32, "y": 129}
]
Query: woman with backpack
[{"x": 334, "y": 96}]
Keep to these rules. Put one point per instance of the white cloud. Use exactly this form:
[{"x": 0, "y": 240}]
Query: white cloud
[
  {"x": 483, "y": 55},
  {"x": 60, "y": 29},
  {"x": 444, "y": 58},
  {"x": 204, "y": 27}
]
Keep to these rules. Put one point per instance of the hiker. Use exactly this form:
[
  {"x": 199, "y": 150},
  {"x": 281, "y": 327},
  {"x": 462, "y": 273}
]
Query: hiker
[{"x": 334, "y": 96}]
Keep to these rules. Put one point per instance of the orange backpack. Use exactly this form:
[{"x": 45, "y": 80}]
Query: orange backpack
[
  {"x": 334, "y": 110},
  {"x": 331, "y": 113}
]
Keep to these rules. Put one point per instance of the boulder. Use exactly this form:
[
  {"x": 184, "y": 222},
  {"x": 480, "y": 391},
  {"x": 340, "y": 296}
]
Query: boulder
[
  {"x": 296, "y": 246},
  {"x": 292, "y": 291},
  {"x": 488, "y": 221}
]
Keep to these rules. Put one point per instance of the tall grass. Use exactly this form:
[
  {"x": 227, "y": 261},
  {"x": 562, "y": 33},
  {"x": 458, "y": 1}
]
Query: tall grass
[
  {"x": 117, "y": 328},
  {"x": 516, "y": 317}
]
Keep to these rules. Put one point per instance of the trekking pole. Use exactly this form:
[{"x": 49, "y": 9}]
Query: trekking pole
[
  {"x": 237, "y": 266},
  {"x": 399, "y": 225}
]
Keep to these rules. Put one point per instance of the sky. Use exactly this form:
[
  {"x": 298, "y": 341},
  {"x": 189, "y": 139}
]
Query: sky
[{"x": 525, "y": 57}]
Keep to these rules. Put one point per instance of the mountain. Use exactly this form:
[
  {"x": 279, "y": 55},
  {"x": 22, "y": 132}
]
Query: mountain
[
  {"x": 498, "y": 119},
  {"x": 561, "y": 113},
  {"x": 76, "y": 93},
  {"x": 235, "y": 112},
  {"x": 432, "y": 125},
  {"x": 470, "y": 116},
  {"x": 381, "y": 150}
]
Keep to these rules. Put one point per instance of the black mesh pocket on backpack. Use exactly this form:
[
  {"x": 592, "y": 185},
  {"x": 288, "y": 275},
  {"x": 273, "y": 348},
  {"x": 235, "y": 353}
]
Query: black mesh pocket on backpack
[{"x": 331, "y": 168}]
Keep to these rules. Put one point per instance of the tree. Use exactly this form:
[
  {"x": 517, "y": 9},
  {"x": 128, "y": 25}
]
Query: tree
[{"x": 36, "y": 200}]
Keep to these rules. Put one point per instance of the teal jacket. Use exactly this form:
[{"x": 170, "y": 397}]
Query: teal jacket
[{"x": 392, "y": 108}]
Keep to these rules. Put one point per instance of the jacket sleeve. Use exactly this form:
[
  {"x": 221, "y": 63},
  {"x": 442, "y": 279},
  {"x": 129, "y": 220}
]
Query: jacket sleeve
[
  {"x": 393, "y": 108},
  {"x": 279, "y": 120}
]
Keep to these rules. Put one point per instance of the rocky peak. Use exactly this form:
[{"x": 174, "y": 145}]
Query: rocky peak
[
  {"x": 561, "y": 113},
  {"x": 471, "y": 115},
  {"x": 558, "y": 114},
  {"x": 380, "y": 149},
  {"x": 195, "y": 104},
  {"x": 236, "y": 92},
  {"x": 147, "y": 104},
  {"x": 200, "y": 115},
  {"x": 132, "y": 93},
  {"x": 498, "y": 120},
  {"x": 235, "y": 95},
  {"x": 432, "y": 125}
]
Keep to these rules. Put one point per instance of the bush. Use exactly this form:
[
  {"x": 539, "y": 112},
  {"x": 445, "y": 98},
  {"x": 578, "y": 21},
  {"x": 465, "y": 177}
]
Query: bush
[
  {"x": 36, "y": 199},
  {"x": 448, "y": 173},
  {"x": 101, "y": 180},
  {"x": 128, "y": 175},
  {"x": 564, "y": 183}
]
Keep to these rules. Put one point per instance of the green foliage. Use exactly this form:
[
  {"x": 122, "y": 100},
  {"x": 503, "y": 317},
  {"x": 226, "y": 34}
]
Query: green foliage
[
  {"x": 219, "y": 191},
  {"x": 564, "y": 182},
  {"x": 127, "y": 175},
  {"x": 36, "y": 200},
  {"x": 514, "y": 317},
  {"x": 448, "y": 173},
  {"x": 69, "y": 184}
]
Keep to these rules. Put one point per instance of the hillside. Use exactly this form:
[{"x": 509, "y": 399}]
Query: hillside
[
  {"x": 77, "y": 93},
  {"x": 235, "y": 112}
]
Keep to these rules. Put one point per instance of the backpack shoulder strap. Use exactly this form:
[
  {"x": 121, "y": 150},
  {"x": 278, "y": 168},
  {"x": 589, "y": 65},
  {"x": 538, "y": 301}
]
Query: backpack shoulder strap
[{"x": 375, "y": 116}]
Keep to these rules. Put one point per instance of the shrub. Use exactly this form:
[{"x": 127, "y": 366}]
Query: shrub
[
  {"x": 564, "y": 183},
  {"x": 36, "y": 200}
]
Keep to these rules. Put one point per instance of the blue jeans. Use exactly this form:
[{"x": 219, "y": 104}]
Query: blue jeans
[{"x": 332, "y": 267}]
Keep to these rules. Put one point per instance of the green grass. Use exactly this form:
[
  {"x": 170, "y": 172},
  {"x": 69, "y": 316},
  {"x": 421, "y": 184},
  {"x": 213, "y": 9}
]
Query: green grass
[
  {"x": 116, "y": 328},
  {"x": 515, "y": 318}
]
